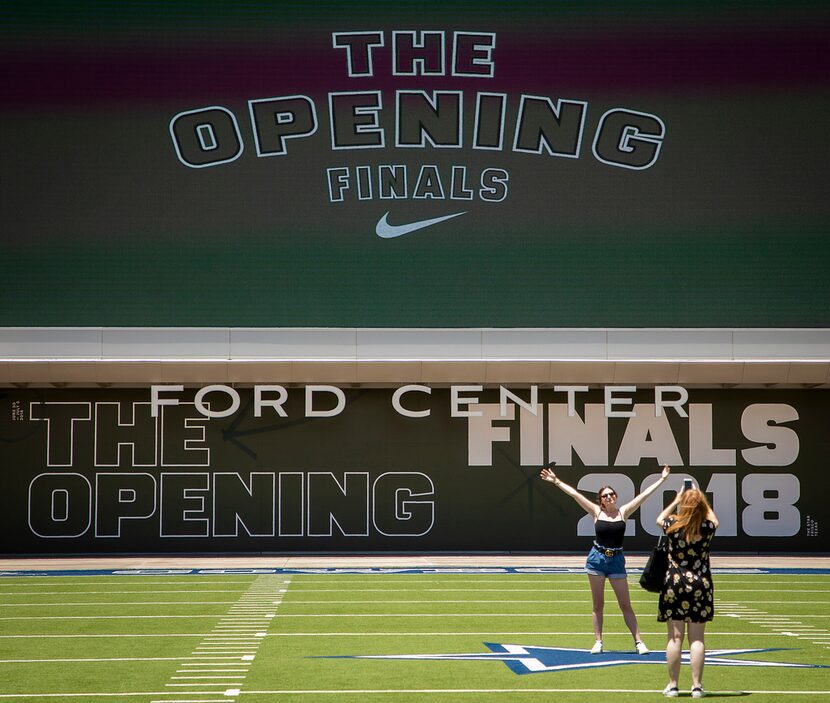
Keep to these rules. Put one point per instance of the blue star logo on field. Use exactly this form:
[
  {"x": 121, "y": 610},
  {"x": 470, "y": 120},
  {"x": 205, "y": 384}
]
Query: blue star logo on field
[{"x": 524, "y": 659}]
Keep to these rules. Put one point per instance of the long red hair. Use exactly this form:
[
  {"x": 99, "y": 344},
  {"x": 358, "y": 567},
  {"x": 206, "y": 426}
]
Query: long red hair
[{"x": 691, "y": 512}]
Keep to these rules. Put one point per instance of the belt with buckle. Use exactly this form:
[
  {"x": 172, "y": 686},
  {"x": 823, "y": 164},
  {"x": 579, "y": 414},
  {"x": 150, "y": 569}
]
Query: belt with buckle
[{"x": 608, "y": 551}]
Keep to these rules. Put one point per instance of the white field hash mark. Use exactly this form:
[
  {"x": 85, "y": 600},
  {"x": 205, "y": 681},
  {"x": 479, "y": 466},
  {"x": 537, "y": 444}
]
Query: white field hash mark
[{"x": 222, "y": 660}]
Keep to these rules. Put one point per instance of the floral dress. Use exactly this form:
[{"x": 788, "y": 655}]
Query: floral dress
[{"x": 688, "y": 593}]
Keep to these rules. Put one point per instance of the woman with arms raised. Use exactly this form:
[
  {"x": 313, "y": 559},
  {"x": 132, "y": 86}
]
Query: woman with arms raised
[{"x": 606, "y": 558}]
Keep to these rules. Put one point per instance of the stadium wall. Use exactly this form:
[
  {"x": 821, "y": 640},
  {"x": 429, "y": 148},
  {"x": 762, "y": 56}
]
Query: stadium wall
[{"x": 319, "y": 467}]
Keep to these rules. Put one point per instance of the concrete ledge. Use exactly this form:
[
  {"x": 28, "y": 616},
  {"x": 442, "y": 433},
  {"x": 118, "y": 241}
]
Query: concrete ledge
[
  {"x": 142, "y": 356},
  {"x": 795, "y": 374},
  {"x": 413, "y": 345}
]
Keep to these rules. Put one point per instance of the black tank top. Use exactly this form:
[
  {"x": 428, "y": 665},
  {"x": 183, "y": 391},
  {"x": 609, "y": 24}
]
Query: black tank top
[{"x": 610, "y": 533}]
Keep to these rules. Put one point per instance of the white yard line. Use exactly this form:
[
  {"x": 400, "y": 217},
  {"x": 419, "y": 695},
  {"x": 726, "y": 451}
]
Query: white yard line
[
  {"x": 109, "y": 659},
  {"x": 548, "y": 601},
  {"x": 130, "y": 578},
  {"x": 310, "y": 581},
  {"x": 233, "y": 670},
  {"x": 118, "y": 603},
  {"x": 491, "y": 633},
  {"x": 469, "y": 615},
  {"x": 507, "y": 589},
  {"x": 224, "y": 678},
  {"x": 509, "y": 691},
  {"x": 410, "y": 691},
  {"x": 121, "y": 694},
  {"x": 103, "y": 617},
  {"x": 317, "y": 615},
  {"x": 487, "y": 633},
  {"x": 509, "y": 580},
  {"x": 126, "y": 634},
  {"x": 138, "y": 589}
]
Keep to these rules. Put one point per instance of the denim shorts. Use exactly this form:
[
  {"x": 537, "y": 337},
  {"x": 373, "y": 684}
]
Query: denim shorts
[{"x": 600, "y": 565}]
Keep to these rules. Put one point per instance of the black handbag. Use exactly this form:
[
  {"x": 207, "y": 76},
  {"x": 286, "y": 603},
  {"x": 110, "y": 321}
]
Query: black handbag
[{"x": 654, "y": 572}]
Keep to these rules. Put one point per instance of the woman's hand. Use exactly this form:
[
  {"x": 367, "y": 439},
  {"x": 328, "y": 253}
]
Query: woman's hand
[
  {"x": 548, "y": 475},
  {"x": 666, "y": 472},
  {"x": 587, "y": 505}
]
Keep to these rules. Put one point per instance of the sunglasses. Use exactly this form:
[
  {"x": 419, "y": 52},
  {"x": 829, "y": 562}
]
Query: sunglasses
[{"x": 608, "y": 495}]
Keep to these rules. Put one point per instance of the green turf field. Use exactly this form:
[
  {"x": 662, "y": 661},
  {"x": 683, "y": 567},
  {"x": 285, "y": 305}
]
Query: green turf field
[{"x": 274, "y": 637}]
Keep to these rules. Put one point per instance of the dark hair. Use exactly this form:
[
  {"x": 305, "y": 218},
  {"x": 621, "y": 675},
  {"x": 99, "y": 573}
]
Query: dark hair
[{"x": 599, "y": 493}]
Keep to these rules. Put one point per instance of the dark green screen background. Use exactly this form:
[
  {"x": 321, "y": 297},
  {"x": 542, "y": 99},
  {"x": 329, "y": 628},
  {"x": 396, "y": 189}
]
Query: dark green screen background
[
  {"x": 102, "y": 225},
  {"x": 502, "y": 507}
]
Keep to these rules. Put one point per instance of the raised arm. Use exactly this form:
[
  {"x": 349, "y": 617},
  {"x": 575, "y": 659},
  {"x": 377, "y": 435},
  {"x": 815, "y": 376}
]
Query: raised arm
[
  {"x": 668, "y": 510},
  {"x": 588, "y": 506},
  {"x": 635, "y": 503}
]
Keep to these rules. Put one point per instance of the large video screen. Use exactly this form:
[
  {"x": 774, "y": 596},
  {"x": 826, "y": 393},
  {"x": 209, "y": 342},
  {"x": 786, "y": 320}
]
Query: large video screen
[{"x": 430, "y": 164}]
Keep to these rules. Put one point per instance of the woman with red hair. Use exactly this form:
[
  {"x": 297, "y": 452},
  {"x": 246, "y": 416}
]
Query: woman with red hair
[{"x": 687, "y": 595}]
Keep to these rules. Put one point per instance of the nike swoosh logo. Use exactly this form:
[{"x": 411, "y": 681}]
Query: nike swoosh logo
[{"x": 386, "y": 231}]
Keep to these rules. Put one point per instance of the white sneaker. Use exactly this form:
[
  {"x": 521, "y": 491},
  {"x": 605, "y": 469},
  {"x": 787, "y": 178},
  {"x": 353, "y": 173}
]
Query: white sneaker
[
  {"x": 698, "y": 692},
  {"x": 641, "y": 647},
  {"x": 671, "y": 691},
  {"x": 597, "y": 648}
]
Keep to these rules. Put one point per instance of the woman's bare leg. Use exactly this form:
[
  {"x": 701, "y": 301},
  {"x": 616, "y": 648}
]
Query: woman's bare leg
[
  {"x": 674, "y": 648},
  {"x": 697, "y": 652},
  {"x": 598, "y": 601},
  {"x": 620, "y": 587}
]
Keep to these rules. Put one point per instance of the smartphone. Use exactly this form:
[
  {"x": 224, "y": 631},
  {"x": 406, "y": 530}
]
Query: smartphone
[{"x": 688, "y": 484}]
